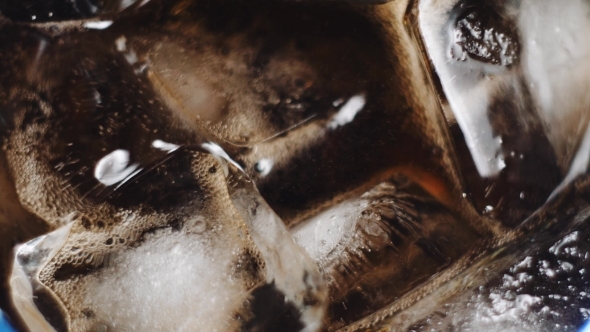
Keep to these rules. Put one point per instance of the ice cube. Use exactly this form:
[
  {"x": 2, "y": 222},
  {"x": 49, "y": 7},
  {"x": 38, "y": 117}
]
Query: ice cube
[
  {"x": 372, "y": 248},
  {"x": 204, "y": 265}
]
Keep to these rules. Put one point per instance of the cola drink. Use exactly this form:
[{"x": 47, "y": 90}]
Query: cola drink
[{"x": 207, "y": 165}]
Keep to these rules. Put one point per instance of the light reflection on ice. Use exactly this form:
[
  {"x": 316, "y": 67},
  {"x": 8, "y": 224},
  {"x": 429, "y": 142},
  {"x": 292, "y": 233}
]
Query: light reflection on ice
[
  {"x": 98, "y": 25},
  {"x": 348, "y": 111},
  {"x": 114, "y": 168},
  {"x": 165, "y": 146},
  {"x": 264, "y": 166}
]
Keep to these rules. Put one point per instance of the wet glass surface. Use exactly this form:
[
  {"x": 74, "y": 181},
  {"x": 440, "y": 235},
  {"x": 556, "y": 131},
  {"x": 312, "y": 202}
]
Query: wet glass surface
[{"x": 209, "y": 165}]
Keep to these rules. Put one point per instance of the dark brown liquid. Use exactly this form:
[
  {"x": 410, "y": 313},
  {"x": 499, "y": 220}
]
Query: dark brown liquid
[{"x": 90, "y": 100}]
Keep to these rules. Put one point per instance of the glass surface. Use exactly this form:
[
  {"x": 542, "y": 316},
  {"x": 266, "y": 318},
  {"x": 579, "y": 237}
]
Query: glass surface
[{"x": 294, "y": 166}]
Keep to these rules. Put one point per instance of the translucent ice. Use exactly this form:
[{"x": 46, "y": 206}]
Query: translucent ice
[
  {"x": 288, "y": 266},
  {"x": 204, "y": 266}
]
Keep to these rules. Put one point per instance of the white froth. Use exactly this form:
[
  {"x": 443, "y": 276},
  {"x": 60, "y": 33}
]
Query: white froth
[
  {"x": 172, "y": 282},
  {"x": 218, "y": 153}
]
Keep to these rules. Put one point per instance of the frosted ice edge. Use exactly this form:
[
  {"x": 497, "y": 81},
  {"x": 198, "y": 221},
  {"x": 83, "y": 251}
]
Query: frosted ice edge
[
  {"x": 29, "y": 260},
  {"x": 157, "y": 261},
  {"x": 289, "y": 266}
]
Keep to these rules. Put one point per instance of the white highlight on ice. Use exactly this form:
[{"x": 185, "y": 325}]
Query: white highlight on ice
[
  {"x": 114, "y": 168},
  {"x": 98, "y": 25},
  {"x": 121, "y": 44},
  {"x": 579, "y": 165},
  {"x": 128, "y": 53},
  {"x": 264, "y": 166},
  {"x": 347, "y": 112},
  {"x": 165, "y": 146},
  {"x": 220, "y": 154}
]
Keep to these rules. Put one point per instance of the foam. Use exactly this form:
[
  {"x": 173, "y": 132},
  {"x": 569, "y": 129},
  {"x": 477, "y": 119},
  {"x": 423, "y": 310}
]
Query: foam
[
  {"x": 129, "y": 269},
  {"x": 173, "y": 281}
]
